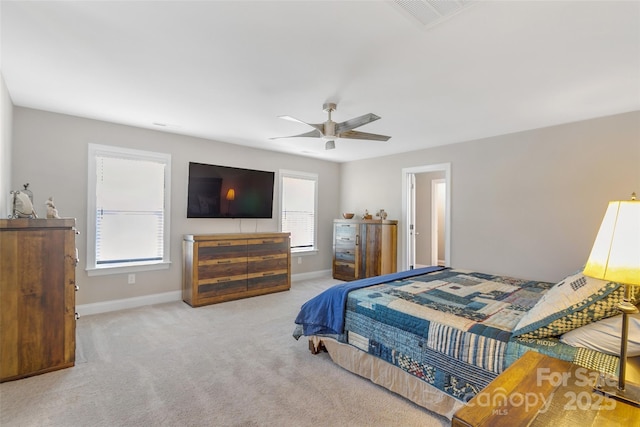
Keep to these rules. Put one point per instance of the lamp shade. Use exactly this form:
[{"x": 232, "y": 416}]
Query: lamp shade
[
  {"x": 231, "y": 194},
  {"x": 615, "y": 256}
]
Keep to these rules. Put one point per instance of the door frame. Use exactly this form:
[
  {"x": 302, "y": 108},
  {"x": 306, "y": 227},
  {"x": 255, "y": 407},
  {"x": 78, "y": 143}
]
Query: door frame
[
  {"x": 435, "y": 223},
  {"x": 408, "y": 212}
]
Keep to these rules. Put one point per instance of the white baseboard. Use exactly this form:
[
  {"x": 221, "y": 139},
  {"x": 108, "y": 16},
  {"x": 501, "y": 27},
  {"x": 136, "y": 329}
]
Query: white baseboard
[
  {"x": 123, "y": 304},
  {"x": 311, "y": 275}
]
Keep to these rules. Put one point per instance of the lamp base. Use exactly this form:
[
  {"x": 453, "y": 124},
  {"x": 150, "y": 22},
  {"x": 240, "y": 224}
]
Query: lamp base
[{"x": 630, "y": 395}]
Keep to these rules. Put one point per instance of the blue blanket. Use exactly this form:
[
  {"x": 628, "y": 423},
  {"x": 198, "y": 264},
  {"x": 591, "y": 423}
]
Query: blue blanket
[{"x": 324, "y": 314}]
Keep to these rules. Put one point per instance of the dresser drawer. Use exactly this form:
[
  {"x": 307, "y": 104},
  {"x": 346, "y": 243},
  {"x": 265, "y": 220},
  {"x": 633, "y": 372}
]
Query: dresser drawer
[
  {"x": 223, "y": 249},
  {"x": 344, "y": 270},
  {"x": 345, "y": 255},
  {"x": 345, "y": 245},
  {"x": 268, "y": 263},
  {"x": 222, "y": 286},
  {"x": 217, "y": 268},
  {"x": 263, "y": 247},
  {"x": 346, "y": 236},
  {"x": 273, "y": 280},
  {"x": 345, "y": 231}
]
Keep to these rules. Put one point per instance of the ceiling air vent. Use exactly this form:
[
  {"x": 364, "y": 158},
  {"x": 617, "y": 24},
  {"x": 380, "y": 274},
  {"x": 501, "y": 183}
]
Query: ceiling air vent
[{"x": 432, "y": 12}]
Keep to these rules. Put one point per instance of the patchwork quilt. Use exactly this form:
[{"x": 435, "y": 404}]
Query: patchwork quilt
[{"x": 454, "y": 328}]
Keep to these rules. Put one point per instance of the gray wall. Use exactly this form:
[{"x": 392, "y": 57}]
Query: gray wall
[
  {"x": 50, "y": 152},
  {"x": 6, "y": 125},
  {"x": 527, "y": 204}
]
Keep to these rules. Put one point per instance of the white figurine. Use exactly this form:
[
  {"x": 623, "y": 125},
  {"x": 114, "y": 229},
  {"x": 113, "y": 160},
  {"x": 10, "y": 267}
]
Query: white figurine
[{"x": 52, "y": 212}]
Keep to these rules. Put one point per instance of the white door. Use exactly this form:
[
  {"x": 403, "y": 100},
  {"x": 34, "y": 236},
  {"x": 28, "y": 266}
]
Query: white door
[{"x": 412, "y": 221}]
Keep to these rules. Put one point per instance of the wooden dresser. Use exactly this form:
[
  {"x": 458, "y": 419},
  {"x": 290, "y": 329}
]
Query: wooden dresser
[
  {"x": 225, "y": 267},
  {"x": 364, "y": 248},
  {"x": 37, "y": 296}
]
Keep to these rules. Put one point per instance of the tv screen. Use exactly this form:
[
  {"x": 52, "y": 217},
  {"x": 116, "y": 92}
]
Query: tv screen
[{"x": 225, "y": 192}]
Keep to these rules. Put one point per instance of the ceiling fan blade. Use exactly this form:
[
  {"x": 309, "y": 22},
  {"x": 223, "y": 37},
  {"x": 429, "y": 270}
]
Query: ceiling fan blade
[
  {"x": 352, "y": 134},
  {"x": 356, "y": 122},
  {"x": 311, "y": 134},
  {"x": 319, "y": 127}
]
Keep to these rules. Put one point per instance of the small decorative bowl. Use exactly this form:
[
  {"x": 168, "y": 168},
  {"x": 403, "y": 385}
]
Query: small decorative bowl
[{"x": 347, "y": 215}]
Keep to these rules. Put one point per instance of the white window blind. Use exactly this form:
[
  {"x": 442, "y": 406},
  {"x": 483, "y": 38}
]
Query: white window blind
[
  {"x": 129, "y": 210},
  {"x": 298, "y": 209},
  {"x": 128, "y": 207}
]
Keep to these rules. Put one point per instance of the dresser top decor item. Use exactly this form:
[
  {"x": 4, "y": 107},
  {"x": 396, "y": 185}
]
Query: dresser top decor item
[
  {"x": 52, "y": 212},
  {"x": 22, "y": 203}
]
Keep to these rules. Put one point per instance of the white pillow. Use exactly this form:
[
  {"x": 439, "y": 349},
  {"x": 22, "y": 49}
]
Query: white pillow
[
  {"x": 575, "y": 301},
  {"x": 604, "y": 336}
]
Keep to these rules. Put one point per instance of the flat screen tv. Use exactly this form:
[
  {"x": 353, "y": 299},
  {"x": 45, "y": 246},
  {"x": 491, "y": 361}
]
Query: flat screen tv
[{"x": 226, "y": 192}]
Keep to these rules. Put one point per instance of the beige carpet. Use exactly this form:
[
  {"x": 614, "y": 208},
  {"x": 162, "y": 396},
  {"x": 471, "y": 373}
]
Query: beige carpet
[{"x": 230, "y": 364}]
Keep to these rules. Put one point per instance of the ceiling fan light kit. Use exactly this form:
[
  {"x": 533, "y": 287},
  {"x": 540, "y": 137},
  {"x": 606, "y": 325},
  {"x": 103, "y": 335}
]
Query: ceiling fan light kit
[{"x": 330, "y": 130}]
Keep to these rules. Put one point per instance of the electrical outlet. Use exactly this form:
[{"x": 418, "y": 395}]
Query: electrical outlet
[
  {"x": 131, "y": 279},
  {"x": 299, "y": 260}
]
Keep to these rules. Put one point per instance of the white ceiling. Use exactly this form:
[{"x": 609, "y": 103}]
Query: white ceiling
[{"x": 225, "y": 70}]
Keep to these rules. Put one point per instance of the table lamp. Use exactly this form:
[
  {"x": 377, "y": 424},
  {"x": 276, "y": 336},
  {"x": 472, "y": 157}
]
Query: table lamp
[
  {"x": 231, "y": 195},
  {"x": 615, "y": 257}
]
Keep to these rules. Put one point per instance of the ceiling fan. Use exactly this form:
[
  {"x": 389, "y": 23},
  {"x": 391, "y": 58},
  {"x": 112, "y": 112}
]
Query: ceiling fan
[{"x": 330, "y": 130}]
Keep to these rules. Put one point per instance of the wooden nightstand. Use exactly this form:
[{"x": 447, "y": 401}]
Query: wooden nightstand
[{"x": 538, "y": 390}]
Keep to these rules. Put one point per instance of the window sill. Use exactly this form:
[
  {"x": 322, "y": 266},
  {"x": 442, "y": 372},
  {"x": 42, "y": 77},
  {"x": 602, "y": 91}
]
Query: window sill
[
  {"x": 304, "y": 252},
  {"x": 128, "y": 268}
]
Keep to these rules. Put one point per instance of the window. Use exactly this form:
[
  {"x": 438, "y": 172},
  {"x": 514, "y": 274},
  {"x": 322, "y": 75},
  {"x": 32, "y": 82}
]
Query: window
[
  {"x": 128, "y": 210},
  {"x": 298, "y": 209}
]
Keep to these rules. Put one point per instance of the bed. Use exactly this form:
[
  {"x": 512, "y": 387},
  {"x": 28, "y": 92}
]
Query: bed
[{"x": 438, "y": 336}]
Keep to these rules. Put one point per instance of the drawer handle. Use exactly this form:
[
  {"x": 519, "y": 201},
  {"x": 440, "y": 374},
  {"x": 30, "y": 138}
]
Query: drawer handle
[
  {"x": 223, "y": 244},
  {"x": 268, "y": 241},
  {"x": 224, "y": 280},
  {"x": 268, "y": 257},
  {"x": 271, "y": 273},
  {"x": 226, "y": 261},
  {"x": 74, "y": 259}
]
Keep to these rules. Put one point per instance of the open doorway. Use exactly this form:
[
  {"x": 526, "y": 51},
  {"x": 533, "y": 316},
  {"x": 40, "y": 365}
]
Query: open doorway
[
  {"x": 438, "y": 221},
  {"x": 426, "y": 230}
]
